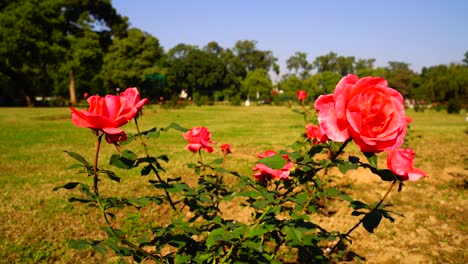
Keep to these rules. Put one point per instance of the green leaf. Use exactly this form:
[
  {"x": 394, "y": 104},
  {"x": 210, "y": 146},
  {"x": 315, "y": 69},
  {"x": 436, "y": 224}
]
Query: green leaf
[
  {"x": 372, "y": 221},
  {"x": 353, "y": 159},
  {"x": 146, "y": 170},
  {"x": 293, "y": 234},
  {"x": 79, "y": 244},
  {"x": 111, "y": 175},
  {"x": 215, "y": 236},
  {"x": 78, "y": 157},
  {"x": 385, "y": 175},
  {"x": 259, "y": 232},
  {"x": 100, "y": 248},
  {"x": 176, "y": 127},
  {"x": 124, "y": 161},
  {"x": 275, "y": 162},
  {"x": 254, "y": 246},
  {"x": 346, "y": 166},
  {"x": 372, "y": 159},
  {"x": 68, "y": 186},
  {"x": 80, "y": 200},
  {"x": 356, "y": 205},
  {"x": 217, "y": 161}
]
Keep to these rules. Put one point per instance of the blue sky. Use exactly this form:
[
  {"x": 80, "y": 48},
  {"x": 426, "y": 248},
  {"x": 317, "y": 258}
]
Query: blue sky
[{"x": 422, "y": 33}]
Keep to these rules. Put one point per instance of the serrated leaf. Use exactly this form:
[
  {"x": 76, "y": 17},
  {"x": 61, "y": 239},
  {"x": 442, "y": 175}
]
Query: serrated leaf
[
  {"x": 68, "y": 186},
  {"x": 78, "y": 157}
]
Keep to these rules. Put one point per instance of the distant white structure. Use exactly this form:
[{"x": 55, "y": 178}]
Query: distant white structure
[
  {"x": 183, "y": 94},
  {"x": 247, "y": 102}
]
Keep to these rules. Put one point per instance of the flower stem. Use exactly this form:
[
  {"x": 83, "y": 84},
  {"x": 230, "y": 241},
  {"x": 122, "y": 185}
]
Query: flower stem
[
  {"x": 152, "y": 167},
  {"x": 141, "y": 138},
  {"x": 335, "y": 155},
  {"x": 96, "y": 159},
  {"x": 362, "y": 219}
]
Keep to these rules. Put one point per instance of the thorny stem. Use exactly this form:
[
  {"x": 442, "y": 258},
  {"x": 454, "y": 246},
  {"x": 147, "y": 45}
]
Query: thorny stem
[
  {"x": 335, "y": 155},
  {"x": 99, "y": 135},
  {"x": 141, "y": 138},
  {"x": 96, "y": 158},
  {"x": 362, "y": 219},
  {"x": 152, "y": 167}
]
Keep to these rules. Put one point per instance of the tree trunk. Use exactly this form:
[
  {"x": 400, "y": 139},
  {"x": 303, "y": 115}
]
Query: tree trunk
[{"x": 72, "y": 87}]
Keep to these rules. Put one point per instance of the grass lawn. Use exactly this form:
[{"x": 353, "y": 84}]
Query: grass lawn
[{"x": 36, "y": 221}]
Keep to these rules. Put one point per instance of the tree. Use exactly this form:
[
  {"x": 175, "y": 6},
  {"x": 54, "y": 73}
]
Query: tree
[
  {"x": 465, "y": 60},
  {"x": 38, "y": 38},
  {"x": 130, "y": 59},
  {"x": 400, "y": 77},
  {"x": 195, "y": 70},
  {"x": 31, "y": 44},
  {"x": 257, "y": 83},
  {"x": 251, "y": 57},
  {"x": 299, "y": 62}
]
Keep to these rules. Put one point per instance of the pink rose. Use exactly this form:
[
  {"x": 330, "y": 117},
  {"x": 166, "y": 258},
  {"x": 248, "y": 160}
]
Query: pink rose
[
  {"x": 316, "y": 133},
  {"x": 400, "y": 162},
  {"x": 301, "y": 95},
  {"x": 131, "y": 98},
  {"x": 366, "y": 110},
  {"x": 108, "y": 113},
  {"x": 266, "y": 173},
  {"x": 198, "y": 137}
]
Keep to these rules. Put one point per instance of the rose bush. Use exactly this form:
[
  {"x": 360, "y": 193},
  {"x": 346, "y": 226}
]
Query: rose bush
[
  {"x": 366, "y": 110},
  {"x": 286, "y": 190}
]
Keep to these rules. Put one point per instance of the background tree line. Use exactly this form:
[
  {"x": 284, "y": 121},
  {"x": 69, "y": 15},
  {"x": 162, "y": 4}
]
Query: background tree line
[{"x": 69, "y": 48}]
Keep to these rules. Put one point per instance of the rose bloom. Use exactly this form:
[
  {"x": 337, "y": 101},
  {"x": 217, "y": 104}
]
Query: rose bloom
[
  {"x": 198, "y": 137},
  {"x": 108, "y": 113},
  {"x": 301, "y": 95},
  {"x": 366, "y": 110},
  {"x": 400, "y": 162},
  {"x": 131, "y": 98},
  {"x": 316, "y": 133},
  {"x": 266, "y": 173},
  {"x": 226, "y": 149}
]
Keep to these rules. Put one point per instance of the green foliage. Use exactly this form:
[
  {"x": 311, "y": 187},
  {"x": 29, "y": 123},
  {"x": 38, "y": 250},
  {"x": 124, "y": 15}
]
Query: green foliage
[
  {"x": 257, "y": 82},
  {"x": 131, "y": 59}
]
